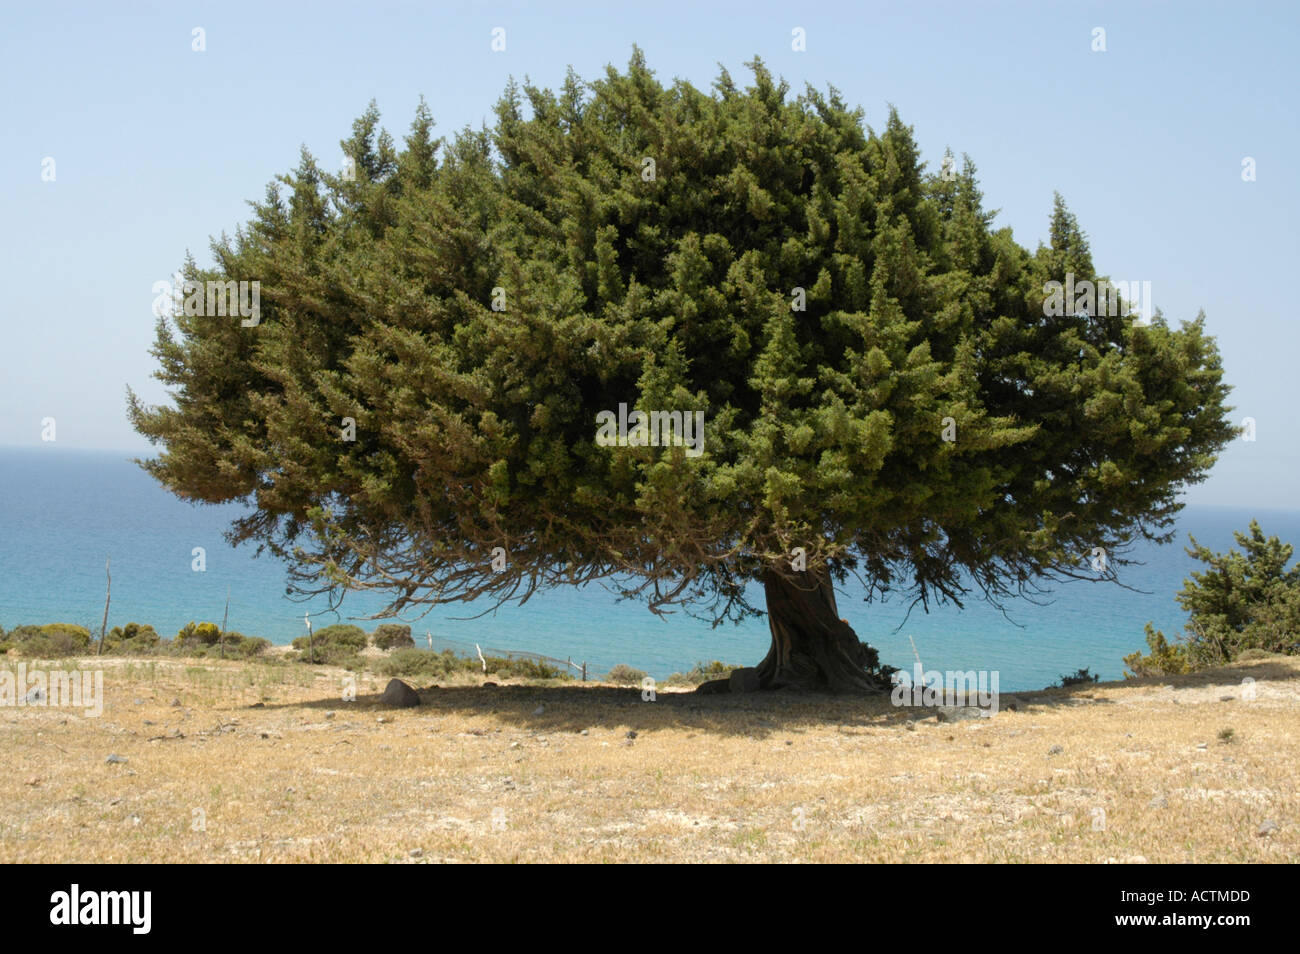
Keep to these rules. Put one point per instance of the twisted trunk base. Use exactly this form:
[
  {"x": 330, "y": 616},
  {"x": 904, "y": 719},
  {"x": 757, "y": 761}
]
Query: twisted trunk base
[{"x": 812, "y": 648}]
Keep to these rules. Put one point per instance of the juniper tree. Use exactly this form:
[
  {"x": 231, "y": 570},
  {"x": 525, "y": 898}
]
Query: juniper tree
[{"x": 883, "y": 394}]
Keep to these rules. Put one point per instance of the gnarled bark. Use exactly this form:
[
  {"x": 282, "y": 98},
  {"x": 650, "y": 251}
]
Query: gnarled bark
[{"x": 812, "y": 647}]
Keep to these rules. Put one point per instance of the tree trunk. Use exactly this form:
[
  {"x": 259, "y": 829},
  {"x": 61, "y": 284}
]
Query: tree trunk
[{"x": 813, "y": 649}]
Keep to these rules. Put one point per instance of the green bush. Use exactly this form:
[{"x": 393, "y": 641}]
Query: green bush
[
  {"x": 250, "y": 646},
  {"x": 1244, "y": 601},
  {"x": 132, "y": 639},
  {"x": 1081, "y": 677},
  {"x": 392, "y": 636},
  {"x": 335, "y": 645},
  {"x": 422, "y": 662},
  {"x": 625, "y": 675},
  {"x": 194, "y": 635},
  {"x": 522, "y": 668},
  {"x": 50, "y": 640}
]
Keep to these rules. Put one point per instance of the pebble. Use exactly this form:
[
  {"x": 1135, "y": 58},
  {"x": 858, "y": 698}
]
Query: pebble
[
  {"x": 1267, "y": 828},
  {"x": 1158, "y": 802},
  {"x": 416, "y": 852},
  {"x": 1055, "y": 750},
  {"x": 631, "y": 733},
  {"x": 539, "y": 710},
  {"x": 115, "y": 759}
]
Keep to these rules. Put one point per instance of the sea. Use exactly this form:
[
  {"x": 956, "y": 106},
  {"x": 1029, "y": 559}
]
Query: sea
[{"x": 64, "y": 513}]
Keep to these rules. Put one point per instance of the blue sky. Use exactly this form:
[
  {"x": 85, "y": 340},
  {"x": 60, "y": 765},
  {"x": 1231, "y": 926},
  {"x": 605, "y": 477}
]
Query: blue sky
[{"x": 157, "y": 147}]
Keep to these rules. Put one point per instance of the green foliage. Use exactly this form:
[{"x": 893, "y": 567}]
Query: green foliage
[
  {"x": 392, "y": 636},
  {"x": 1245, "y": 602},
  {"x": 250, "y": 646},
  {"x": 522, "y": 667},
  {"x": 51, "y": 640},
  {"x": 197, "y": 635},
  {"x": 625, "y": 675},
  {"x": 131, "y": 639},
  {"x": 1081, "y": 677},
  {"x": 824, "y": 424},
  {"x": 422, "y": 662},
  {"x": 335, "y": 645}
]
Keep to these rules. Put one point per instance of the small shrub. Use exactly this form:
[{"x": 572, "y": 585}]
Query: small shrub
[
  {"x": 335, "y": 645},
  {"x": 1081, "y": 677},
  {"x": 392, "y": 636},
  {"x": 195, "y": 635},
  {"x": 51, "y": 640},
  {"x": 250, "y": 646},
  {"x": 701, "y": 673},
  {"x": 422, "y": 662},
  {"x": 523, "y": 668},
  {"x": 625, "y": 675},
  {"x": 132, "y": 639},
  {"x": 1164, "y": 660}
]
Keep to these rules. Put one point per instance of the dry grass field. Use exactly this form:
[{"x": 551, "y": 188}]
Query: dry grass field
[{"x": 246, "y": 762}]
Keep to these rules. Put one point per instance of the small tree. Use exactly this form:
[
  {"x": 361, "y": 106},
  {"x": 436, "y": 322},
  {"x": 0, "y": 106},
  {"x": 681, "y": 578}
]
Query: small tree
[{"x": 1246, "y": 600}]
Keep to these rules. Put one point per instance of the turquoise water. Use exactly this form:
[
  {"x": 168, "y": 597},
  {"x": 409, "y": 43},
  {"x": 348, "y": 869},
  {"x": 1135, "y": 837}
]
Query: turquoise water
[{"x": 62, "y": 513}]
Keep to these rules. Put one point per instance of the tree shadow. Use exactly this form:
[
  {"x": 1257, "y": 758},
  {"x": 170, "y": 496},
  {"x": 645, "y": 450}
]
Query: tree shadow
[{"x": 571, "y": 708}]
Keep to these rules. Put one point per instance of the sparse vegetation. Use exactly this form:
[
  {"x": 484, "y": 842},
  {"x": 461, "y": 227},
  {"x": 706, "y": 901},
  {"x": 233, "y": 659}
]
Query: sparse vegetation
[
  {"x": 700, "y": 673},
  {"x": 625, "y": 675}
]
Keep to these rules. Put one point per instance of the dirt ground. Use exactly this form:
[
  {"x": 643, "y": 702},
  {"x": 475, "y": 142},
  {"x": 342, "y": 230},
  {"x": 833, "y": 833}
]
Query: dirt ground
[{"x": 249, "y": 762}]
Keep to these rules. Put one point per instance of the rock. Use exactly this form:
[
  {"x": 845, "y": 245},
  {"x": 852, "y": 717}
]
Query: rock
[
  {"x": 115, "y": 759},
  {"x": 957, "y": 713},
  {"x": 258, "y": 705},
  {"x": 1267, "y": 828},
  {"x": 416, "y": 852},
  {"x": 539, "y": 710},
  {"x": 1226, "y": 698},
  {"x": 330, "y": 714},
  {"x": 631, "y": 733},
  {"x": 399, "y": 694},
  {"x": 489, "y": 685},
  {"x": 1055, "y": 750},
  {"x": 743, "y": 680},
  {"x": 585, "y": 732},
  {"x": 714, "y": 687},
  {"x": 138, "y": 702},
  {"x": 1158, "y": 802},
  {"x": 176, "y": 703}
]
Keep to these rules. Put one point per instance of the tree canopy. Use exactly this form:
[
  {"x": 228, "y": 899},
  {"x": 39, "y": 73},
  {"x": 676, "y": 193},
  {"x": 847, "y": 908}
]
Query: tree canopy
[{"x": 881, "y": 388}]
